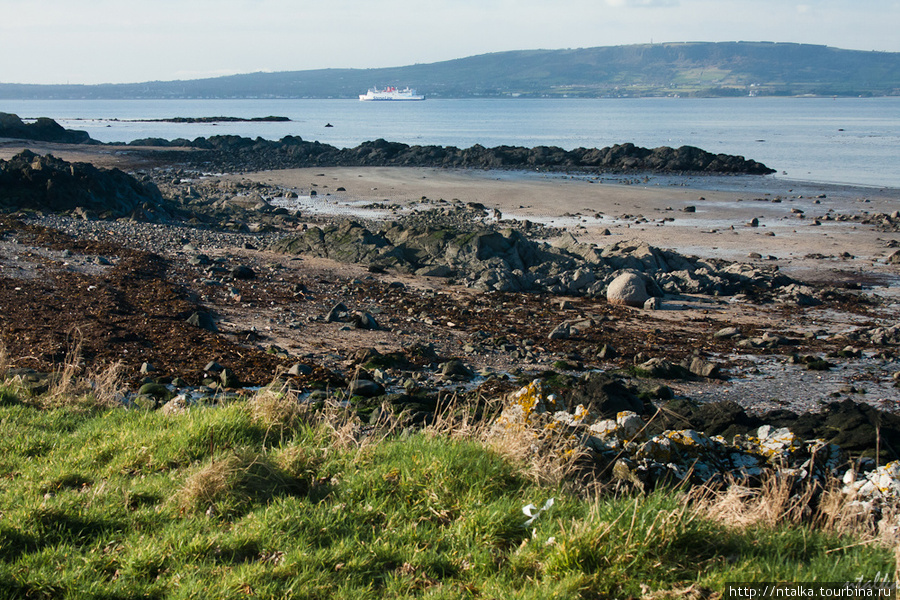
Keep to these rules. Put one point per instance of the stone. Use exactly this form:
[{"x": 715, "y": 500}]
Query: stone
[
  {"x": 243, "y": 272},
  {"x": 560, "y": 332},
  {"x": 650, "y": 453},
  {"x": 363, "y": 320},
  {"x": 628, "y": 289},
  {"x": 628, "y": 425},
  {"x": 701, "y": 367},
  {"x": 203, "y": 320},
  {"x": 300, "y": 369},
  {"x": 157, "y": 390},
  {"x": 228, "y": 378},
  {"x": 176, "y": 406},
  {"x": 606, "y": 352},
  {"x": 662, "y": 369},
  {"x": 653, "y": 303},
  {"x": 366, "y": 388},
  {"x": 727, "y": 333},
  {"x": 339, "y": 312},
  {"x": 455, "y": 368}
]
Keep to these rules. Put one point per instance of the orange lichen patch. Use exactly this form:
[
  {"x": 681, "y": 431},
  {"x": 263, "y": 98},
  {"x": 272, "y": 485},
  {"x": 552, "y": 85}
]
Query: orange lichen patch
[{"x": 524, "y": 405}]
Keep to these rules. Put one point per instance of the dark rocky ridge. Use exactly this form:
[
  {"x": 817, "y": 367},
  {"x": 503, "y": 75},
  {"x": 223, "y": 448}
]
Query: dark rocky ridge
[
  {"x": 269, "y": 119},
  {"x": 489, "y": 258},
  {"x": 42, "y": 130},
  {"x": 234, "y": 153},
  {"x": 237, "y": 154},
  {"x": 46, "y": 183}
]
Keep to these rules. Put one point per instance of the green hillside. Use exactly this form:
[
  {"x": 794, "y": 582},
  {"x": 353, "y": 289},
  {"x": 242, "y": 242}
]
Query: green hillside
[{"x": 686, "y": 69}]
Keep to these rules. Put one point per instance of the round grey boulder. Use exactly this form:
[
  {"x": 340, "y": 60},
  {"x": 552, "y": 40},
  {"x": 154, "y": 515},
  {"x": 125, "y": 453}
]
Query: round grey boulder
[{"x": 627, "y": 289}]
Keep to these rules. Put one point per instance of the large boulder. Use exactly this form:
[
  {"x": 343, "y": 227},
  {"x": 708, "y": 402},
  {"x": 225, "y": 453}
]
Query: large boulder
[{"x": 627, "y": 289}]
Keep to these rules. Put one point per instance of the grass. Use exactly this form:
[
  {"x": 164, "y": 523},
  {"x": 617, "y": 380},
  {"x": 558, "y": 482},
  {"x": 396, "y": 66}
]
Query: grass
[{"x": 262, "y": 499}]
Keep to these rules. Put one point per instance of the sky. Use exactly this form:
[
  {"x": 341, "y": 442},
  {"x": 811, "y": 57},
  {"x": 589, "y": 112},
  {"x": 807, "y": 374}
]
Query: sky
[{"x": 121, "y": 41}]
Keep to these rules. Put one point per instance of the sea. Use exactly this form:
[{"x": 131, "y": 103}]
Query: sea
[{"x": 850, "y": 141}]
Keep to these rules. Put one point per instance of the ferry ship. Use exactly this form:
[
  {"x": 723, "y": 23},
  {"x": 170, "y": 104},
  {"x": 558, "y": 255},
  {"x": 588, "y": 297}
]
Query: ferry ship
[{"x": 391, "y": 93}]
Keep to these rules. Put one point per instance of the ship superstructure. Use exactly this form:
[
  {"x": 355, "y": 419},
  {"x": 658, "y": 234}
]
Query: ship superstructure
[{"x": 391, "y": 93}]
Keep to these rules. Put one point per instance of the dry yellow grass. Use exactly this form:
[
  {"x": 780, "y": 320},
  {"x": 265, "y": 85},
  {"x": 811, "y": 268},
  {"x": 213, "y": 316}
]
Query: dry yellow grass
[
  {"x": 226, "y": 485},
  {"x": 778, "y": 502},
  {"x": 276, "y": 410},
  {"x": 103, "y": 387}
]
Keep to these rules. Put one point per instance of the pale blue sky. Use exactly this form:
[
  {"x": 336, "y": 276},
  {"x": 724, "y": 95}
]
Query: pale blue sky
[{"x": 96, "y": 41}]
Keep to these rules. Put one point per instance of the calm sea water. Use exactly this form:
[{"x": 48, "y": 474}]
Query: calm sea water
[{"x": 845, "y": 140}]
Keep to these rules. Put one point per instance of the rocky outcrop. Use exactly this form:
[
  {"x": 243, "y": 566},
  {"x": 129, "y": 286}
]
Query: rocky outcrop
[
  {"x": 46, "y": 183},
  {"x": 234, "y": 153},
  {"x": 488, "y": 258},
  {"x": 42, "y": 130},
  {"x": 713, "y": 443}
]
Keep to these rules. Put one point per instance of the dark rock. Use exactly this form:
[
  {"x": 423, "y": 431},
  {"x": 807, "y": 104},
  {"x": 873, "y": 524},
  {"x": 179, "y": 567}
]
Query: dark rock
[
  {"x": 363, "y": 320},
  {"x": 43, "y": 130},
  {"x": 455, "y": 368},
  {"x": 228, "y": 378},
  {"x": 230, "y": 153},
  {"x": 701, "y": 367},
  {"x": 366, "y": 388},
  {"x": 46, "y": 183},
  {"x": 458, "y": 244},
  {"x": 157, "y": 390},
  {"x": 724, "y": 418},
  {"x": 560, "y": 332},
  {"x": 660, "y": 368},
  {"x": 243, "y": 272},
  {"x": 604, "y": 394},
  {"x": 338, "y": 313},
  {"x": 300, "y": 369},
  {"x": 606, "y": 352},
  {"x": 203, "y": 320}
]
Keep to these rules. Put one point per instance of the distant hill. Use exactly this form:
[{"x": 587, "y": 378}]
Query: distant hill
[{"x": 685, "y": 69}]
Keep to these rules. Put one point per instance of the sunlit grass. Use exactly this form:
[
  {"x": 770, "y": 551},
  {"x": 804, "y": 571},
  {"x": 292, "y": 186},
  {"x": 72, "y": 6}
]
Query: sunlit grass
[{"x": 255, "y": 499}]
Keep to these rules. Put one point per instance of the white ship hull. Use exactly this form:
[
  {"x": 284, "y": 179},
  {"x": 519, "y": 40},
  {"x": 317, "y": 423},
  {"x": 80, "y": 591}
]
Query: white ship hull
[{"x": 390, "y": 94}]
